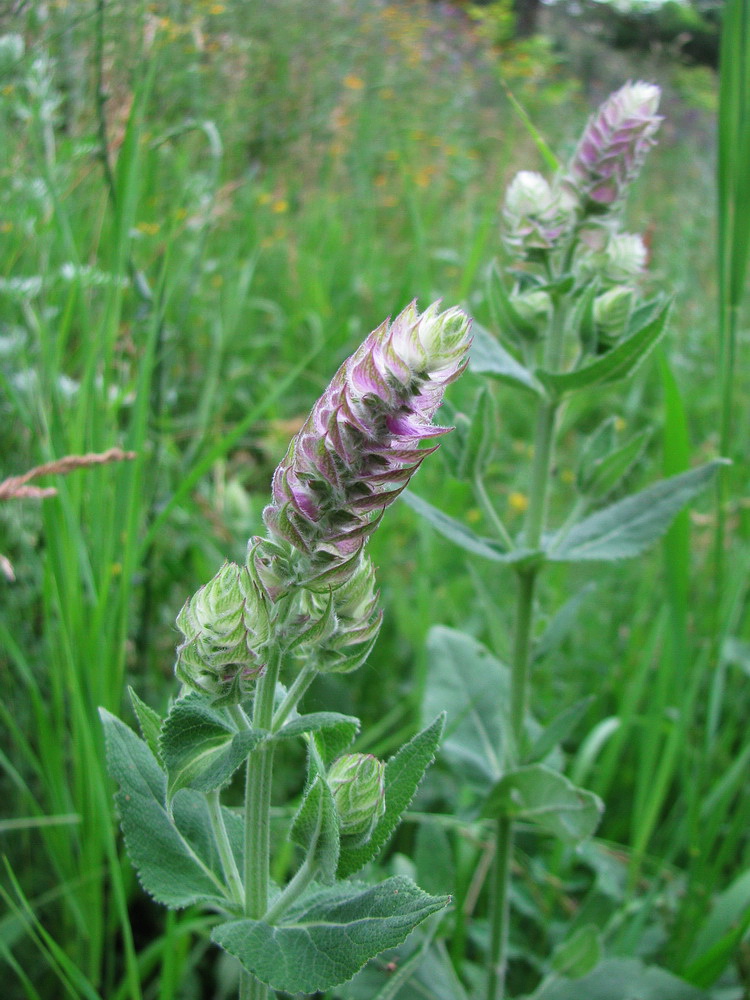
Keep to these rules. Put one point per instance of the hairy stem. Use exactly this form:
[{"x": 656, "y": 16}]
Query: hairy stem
[
  {"x": 228, "y": 864},
  {"x": 258, "y": 781}
]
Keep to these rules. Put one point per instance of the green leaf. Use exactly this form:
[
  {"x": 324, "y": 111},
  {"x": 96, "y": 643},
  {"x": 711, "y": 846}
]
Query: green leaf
[
  {"x": 718, "y": 938},
  {"x": 478, "y": 443},
  {"x": 433, "y": 858},
  {"x": 536, "y": 794},
  {"x": 176, "y": 860},
  {"x": 318, "y": 627},
  {"x": 626, "y": 528},
  {"x": 616, "y": 364},
  {"x": 488, "y": 357},
  {"x": 557, "y": 730},
  {"x": 578, "y": 954},
  {"x": 201, "y": 747},
  {"x": 475, "y": 687},
  {"x": 329, "y": 935},
  {"x": 603, "y": 465},
  {"x": 454, "y": 530},
  {"x": 622, "y": 979},
  {"x": 562, "y": 622},
  {"x": 464, "y": 537},
  {"x": 403, "y": 774},
  {"x": 315, "y": 829},
  {"x": 334, "y": 732},
  {"x": 149, "y": 721},
  {"x": 417, "y": 970}
]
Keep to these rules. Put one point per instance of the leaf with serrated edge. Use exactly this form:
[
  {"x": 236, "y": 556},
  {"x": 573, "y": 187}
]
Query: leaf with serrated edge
[
  {"x": 200, "y": 747},
  {"x": 329, "y": 935},
  {"x": 149, "y": 720},
  {"x": 536, "y": 794},
  {"x": 175, "y": 861},
  {"x": 626, "y": 528},
  {"x": 315, "y": 829},
  {"x": 403, "y": 774},
  {"x": 336, "y": 731}
]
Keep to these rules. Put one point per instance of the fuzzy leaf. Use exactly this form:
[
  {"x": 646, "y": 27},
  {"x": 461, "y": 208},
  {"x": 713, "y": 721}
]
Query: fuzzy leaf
[
  {"x": 457, "y": 532},
  {"x": 149, "y": 721},
  {"x": 315, "y": 829},
  {"x": 201, "y": 748},
  {"x": 536, "y": 794},
  {"x": 626, "y": 528},
  {"x": 403, "y": 774},
  {"x": 616, "y": 364},
  {"x": 175, "y": 860},
  {"x": 489, "y": 357},
  {"x": 463, "y": 675},
  {"x": 417, "y": 970},
  {"x": 329, "y": 935},
  {"x": 333, "y": 732}
]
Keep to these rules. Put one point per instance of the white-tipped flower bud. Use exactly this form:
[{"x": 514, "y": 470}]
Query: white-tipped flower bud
[
  {"x": 625, "y": 258},
  {"x": 534, "y": 307},
  {"x": 534, "y": 215},
  {"x": 357, "y": 782}
]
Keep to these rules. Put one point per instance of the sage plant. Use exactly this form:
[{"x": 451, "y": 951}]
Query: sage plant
[
  {"x": 571, "y": 317},
  {"x": 253, "y": 638}
]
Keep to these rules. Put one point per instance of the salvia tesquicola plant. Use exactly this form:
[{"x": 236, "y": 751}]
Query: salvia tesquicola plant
[
  {"x": 570, "y": 321},
  {"x": 252, "y": 640}
]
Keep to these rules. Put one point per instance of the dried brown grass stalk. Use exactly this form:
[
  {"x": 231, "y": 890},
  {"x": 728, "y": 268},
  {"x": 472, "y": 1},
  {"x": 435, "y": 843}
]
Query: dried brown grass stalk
[{"x": 16, "y": 486}]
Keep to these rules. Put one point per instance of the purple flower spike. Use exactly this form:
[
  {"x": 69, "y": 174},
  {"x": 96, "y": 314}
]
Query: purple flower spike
[
  {"x": 614, "y": 145},
  {"x": 360, "y": 445}
]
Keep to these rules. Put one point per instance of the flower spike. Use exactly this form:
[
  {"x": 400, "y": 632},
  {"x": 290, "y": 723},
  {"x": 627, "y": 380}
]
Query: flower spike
[{"x": 359, "y": 446}]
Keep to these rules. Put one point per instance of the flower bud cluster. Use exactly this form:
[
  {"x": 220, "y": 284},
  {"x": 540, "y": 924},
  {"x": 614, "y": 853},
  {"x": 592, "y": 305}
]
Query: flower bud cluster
[
  {"x": 571, "y": 226},
  {"x": 226, "y": 629},
  {"x": 535, "y": 214},
  {"x": 540, "y": 216},
  {"x": 360, "y": 444},
  {"x": 357, "y": 783},
  {"x": 309, "y": 586}
]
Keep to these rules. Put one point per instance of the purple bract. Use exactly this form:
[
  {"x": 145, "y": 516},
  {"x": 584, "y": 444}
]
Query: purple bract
[{"x": 360, "y": 445}]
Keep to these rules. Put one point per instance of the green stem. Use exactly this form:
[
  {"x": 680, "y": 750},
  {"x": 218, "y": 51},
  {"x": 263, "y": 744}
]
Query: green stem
[
  {"x": 302, "y": 682},
  {"x": 541, "y": 469},
  {"x": 258, "y": 818},
  {"x": 302, "y": 878},
  {"x": 228, "y": 864},
  {"x": 499, "y": 909},
  {"x": 480, "y": 491}
]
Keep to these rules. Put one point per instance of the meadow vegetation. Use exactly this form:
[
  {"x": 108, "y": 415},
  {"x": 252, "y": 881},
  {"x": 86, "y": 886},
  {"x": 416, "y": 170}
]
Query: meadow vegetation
[{"x": 204, "y": 209}]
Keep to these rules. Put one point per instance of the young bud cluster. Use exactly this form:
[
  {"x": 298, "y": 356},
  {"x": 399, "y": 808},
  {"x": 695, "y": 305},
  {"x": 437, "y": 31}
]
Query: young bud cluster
[
  {"x": 357, "y": 782},
  {"x": 225, "y": 628},
  {"x": 536, "y": 215}
]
